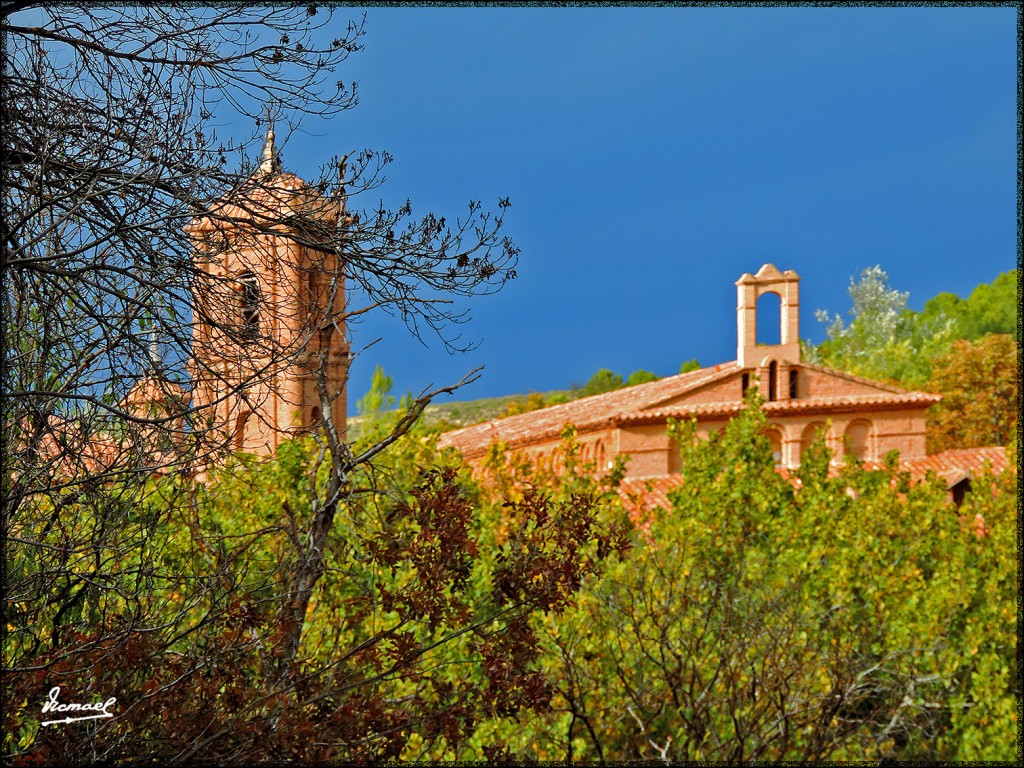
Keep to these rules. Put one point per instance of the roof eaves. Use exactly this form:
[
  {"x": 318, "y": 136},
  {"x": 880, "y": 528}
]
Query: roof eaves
[
  {"x": 842, "y": 404},
  {"x": 479, "y": 447}
]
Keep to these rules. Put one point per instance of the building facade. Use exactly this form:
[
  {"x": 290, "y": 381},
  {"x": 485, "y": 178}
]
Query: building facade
[{"x": 858, "y": 416}]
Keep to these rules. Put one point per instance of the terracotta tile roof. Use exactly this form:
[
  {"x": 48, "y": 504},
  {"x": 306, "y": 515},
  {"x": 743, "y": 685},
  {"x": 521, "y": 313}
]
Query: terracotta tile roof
[
  {"x": 268, "y": 200},
  {"x": 643, "y": 494},
  {"x": 961, "y": 461},
  {"x": 154, "y": 390},
  {"x": 638, "y": 405},
  {"x": 586, "y": 414}
]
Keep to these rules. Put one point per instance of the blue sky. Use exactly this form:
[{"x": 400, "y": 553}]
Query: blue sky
[{"x": 653, "y": 155}]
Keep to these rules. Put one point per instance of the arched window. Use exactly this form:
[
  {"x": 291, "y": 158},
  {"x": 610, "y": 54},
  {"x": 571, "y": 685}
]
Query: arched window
[
  {"x": 250, "y": 305},
  {"x": 810, "y": 433},
  {"x": 240, "y": 423},
  {"x": 599, "y": 456},
  {"x": 857, "y": 439},
  {"x": 773, "y": 380},
  {"x": 314, "y": 416}
]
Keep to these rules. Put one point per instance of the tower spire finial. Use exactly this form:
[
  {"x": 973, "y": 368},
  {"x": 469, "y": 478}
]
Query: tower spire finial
[
  {"x": 270, "y": 161},
  {"x": 154, "y": 352}
]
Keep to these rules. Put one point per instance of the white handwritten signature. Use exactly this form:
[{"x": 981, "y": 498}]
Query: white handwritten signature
[{"x": 52, "y": 705}]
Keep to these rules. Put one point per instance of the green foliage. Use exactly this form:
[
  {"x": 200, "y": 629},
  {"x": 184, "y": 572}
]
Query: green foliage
[
  {"x": 884, "y": 340},
  {"x": 602, "y": 381},
  {"x": 689, "y": 365},
  {"x": 175, "y": 600},
  {"x": 641, "y": 377},
  {"x": 852, "y": 617},
  {"x": 531, "y": 402},
  {"x": 378, "y": 400},
  {"x": 991, "y": 308},
  {"x": 978, "y": 382},
  {"x": 377, "y": 411}
]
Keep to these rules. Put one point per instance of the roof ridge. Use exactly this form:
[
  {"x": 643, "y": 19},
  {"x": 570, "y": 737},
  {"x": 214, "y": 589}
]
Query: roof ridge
[
  {"x": 602, "y": 398},
  {"x": 720, "y": 371},
  {"x": 729, "y": 406}
]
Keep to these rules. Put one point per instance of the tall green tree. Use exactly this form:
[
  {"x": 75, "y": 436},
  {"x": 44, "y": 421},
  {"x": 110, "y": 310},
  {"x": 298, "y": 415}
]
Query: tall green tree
[
  {"x": 978, "y": 382},
  {"x": 604, "y": 380},
  {"x": 883, "y": 339},
  {"x": 991, "y": 308},
  {"x": 640, "y": 376}
]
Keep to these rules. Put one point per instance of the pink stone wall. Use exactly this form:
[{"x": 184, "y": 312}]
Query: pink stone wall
[
  {"x": 819, "y": 384},
  {"x": 725, "y": 391}
]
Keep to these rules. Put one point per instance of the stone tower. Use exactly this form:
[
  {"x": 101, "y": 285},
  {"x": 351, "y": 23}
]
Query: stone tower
[
  {"x": 771, "y": 362},
  {"x": 261, "y": 302}
]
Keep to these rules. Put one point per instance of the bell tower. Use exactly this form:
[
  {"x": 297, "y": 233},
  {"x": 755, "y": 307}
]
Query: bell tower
[
  {"x": 749, "y": 288},
  {"x": 775, "y": 363},
  {"x": 268, "y": 306}
]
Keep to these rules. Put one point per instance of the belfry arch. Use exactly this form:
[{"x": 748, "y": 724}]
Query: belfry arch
[{"x": 769, "y": 319}]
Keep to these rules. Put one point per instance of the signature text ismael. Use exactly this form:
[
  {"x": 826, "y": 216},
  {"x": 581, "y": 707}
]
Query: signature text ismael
[{"x": 90, "y": 711}]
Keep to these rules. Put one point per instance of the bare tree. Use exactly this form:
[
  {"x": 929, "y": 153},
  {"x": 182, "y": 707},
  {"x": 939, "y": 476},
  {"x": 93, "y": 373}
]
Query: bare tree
[
  {"x": 110, "y": 157},
  {"x": 119, "y": 195}
]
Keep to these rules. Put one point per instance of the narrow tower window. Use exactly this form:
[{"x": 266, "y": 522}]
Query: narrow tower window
[
  {"x": 773, "y": 380},
  {"x": 240, "y": 424},
  {"x": 250, "y": 300},
  {"x": 794, "y": 382}
]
